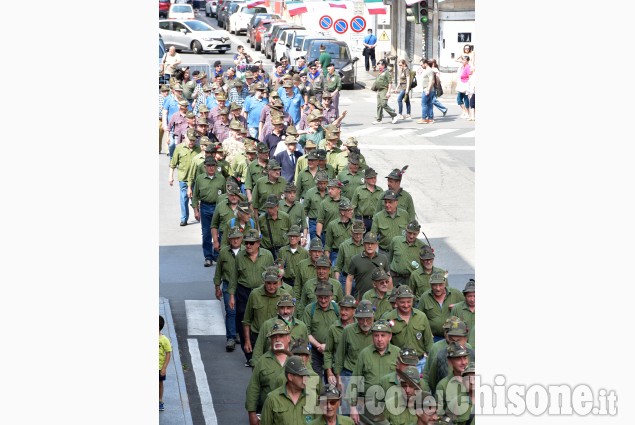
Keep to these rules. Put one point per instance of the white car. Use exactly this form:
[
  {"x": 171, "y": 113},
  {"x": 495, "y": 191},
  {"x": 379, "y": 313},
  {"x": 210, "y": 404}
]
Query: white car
[
  {"x": 193, "y": 35},
  {"x": 239, "y": 21},
  {"x": 181, "y": 11},
  {"x": 210, "y": 7},
  {"x": 289, "y": 41}
]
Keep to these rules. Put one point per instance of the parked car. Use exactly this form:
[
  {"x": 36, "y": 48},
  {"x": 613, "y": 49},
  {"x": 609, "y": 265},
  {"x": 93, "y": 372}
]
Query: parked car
[
  {"x": 340, "y": 57},
  {"x": 239, "y": 20},
  {"x": 267, "y": 34},
  {"x": 253, "y": 22},
  {"x": 211, "y": 7},
  {"x": 294, "y": 48},
  {"x": 270, "y": 48},
  {"x": 256, "y": 34},
  {"x": 224, "y": 13},
  {"x": 164, "y": 6},
  {"x": 181, "y": 11},
  {"x": 193, "y": 35},
  {"x": 285, "y": 41},
  {"x": 162, "y": 52}
]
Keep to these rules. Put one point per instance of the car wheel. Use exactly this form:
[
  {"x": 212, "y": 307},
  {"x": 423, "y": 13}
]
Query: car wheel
[{"x": 197, "y": 48}]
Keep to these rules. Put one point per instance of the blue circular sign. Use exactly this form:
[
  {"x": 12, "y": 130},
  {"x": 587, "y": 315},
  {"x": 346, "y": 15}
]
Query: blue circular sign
[
  {"x": 358, "y": 24},
  {"x": 326, "y": 22},
  {"x": 340, "y": 26}
]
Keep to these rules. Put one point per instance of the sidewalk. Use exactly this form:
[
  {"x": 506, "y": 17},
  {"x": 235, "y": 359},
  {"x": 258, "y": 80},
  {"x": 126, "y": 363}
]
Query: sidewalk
[{"x": 177, "y": 405}]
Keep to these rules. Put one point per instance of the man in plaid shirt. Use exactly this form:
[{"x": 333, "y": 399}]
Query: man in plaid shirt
[{"x": 163, "y": 93}]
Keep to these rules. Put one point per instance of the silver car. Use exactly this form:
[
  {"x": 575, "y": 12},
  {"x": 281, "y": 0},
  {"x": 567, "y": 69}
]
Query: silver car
[{"x": 193, "y": 35}]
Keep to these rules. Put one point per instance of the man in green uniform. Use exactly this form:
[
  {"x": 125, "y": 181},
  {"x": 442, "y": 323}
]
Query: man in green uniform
[
  {"x": 367, "y": 198},
  {"x": 333, "y": 85},
  {"x": 272, "y": 184},
  {"x": 419, "y": 280},
  {"x": 323, "y": 273},
  {"x": 338, "y": 230},
  {"x": 305, "y": 179},
  {"x": 274, "y": 224},
  {"x": 313, "y": 200},
  {"x": 404, "y": 253},
  {"x": 267, "y": 369},
  {"x": 374, "y": 362},
  {"x": 207, "y": 189},
  {"x": 347, "y": 311},
  {"x": 439, "y": 368},
  {"x": 250, "y": 265},
  {"x": 410, "y": 326},
  {"x": 449, "y": 387},
  {"x": 295, "y": 211},
  {"x": 362, "y": 266},
  {"x": 436, "y": 303},
  {"x": 329, "y": 208},
  {"x": 323, "y": 158},
  {"x": 464, "y": 310},
  {"x": 352, "y": 175},
  {"x": 197, "y": 164},
  {"x": 315, "y": 131},
  {"x": 225, "y": 210},
  {"x": 378, "y": 296},
  {"x": 462, "y": 405},
  {"x": 454, "y": 324},
  {"x": 292, "y": 254},
  {"x": 219, "y": 155},
  {"x": 262, "y": 305},
  {"x": 404, "y": 198},
  {"x": 340, "y": 161},
  {"x": 390, "y": 222},
  {"x": 400, "y": 401},
  {"x": 426, "y": 411},
  {"x": 256, "y": 169},
  {"x": 383, "y": 87},
  {"x": 286, "y": 307},
  {"x": 240, "y": 164},
  {"x": 290, "y": 404},
  {"x": 407, "y": 357},
  {"x": 225, "y": 273},
  {"x": 302, "y": 164},
  {"x": 347, "y": 250},
  {"x": 305, "y": 271},
  {"x": 318, "y": 317},
  {"x": 330, "y": 400},
  {"x": 181, "y": 159},
  {"x": 243, "y": 219}
]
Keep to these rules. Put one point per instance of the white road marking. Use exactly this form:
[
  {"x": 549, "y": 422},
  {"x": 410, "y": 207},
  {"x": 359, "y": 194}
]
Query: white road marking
[
  {"x": 440, "y": 132},
  {"x": 204, "y": 393},
  {"x": 204, "y": 317},
  {"x": 418, "y": 148},
  {"x": 364, "y": 132},
  {"x": 468, "y": 134},
  {"x": 399, "y": 133}
]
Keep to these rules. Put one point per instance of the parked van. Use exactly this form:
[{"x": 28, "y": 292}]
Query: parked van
[{"x": 345, "y": 65}]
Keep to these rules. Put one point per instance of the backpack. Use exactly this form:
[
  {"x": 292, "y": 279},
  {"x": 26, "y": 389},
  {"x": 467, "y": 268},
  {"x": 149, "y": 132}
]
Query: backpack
[
  {"x": 333, "y": 303},
  {"x": 232, "y": 223},
  {"x": 437, "y": 85},
  {"x": 413, "y": 78}
]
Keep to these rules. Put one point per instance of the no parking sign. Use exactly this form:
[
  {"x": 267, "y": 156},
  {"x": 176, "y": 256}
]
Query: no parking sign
[
  {"x": 340, "y": 26},
  {"x": 358, "y": 24},
  {"x": 326, "y": 22}
]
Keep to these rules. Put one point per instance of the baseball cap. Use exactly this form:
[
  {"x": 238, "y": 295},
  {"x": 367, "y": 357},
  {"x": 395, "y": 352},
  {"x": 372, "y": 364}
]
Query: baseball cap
[{"x": 295, "y": 365}]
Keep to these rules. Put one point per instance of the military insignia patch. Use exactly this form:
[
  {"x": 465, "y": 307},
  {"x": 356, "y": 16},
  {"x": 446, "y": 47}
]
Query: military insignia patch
[
  {"x": 220, "y": 192},
  {"x": 419, "y": 335},
  {"x": 362, "y": 180},
  {"x": 415, "y": 265}
]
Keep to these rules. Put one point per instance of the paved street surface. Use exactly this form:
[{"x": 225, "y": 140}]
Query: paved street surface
[{"x": 440, "y": 178}]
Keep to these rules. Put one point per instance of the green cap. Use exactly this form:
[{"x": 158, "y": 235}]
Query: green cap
[
  {"x": 323, "y": 288},
  {"x": 323, "y": 261},
  {"x": 164, "y": 88},
  {"x": 312, "y": 156},
  {"x": 326, "y": 95},
  {"x": 426, "y": 253},
  {"x": 413, "y": 227},
  {"x": 351, "y": 141},
  {"x": 235, "y": 125},
  {"x": 348, "y": 301},
  {"x": 411, "y": 375},
  {"x": 316, "y": 245},
  {"x": 335, "y": 183},
  {"x": 370, "y": 237},
  {"x": 364, "y": 309},
  {"x": 404, "y": 291},
  {"x": 290, "y": 187},
  {"x": 203, "y": 108},
  {"x": 287, "y": 83},
  {"x": 292, "y": 131},
  {"x": 245, "y": 207},
  {"x": 437, "y": 278},
  {"x": 353, "y": 158},
  {"x": 456, "y": 350},
  {"x": 379, "y": 274},
  {"x": 191, "y": 134},
  {"x": 444, "y": 420},
  {"x": 234, "y": 106},
  {"x": 277, "y": 120},
  {"x": 448, "y": 322},
  {"x": 369, "y": 173},
  {"x": 289, "y": 140},
  {"x": 469, "y": 286},
  {"x": 183, "y": 102},
  {"x": 396, "y": 173},
  {"x": 294, "y": 230},
  {"x": 458, "y": 328},
  {"x": 271, "y": 274},
  {"x": 408, "y": 356},
  {"x": 286, "y": 300},
  {"x": 223, "y": 111},
  {"x": 210, "y": 161},
  {"x": 190, "y": 114},
  {"x": 252, "y": 235},
  {"x": 295, "y": 365},
  {"x": 345, "y": 205},
  {"x": 272, "y": 201},
  {"x": 235, "y": 232},
  {"x": 381, "y": 325},
  {"x": 300, "y": 346},
  {"x": 201, "y": 121},
  {"x": 393, "y": 297},
  {"x": 273, "y": 164},
  {"x": 262, "y": 148},
  {"x": 330, "y": 392},
  {"x": 358, "y": 226},
  {"x": 470, "y": 368},
  {"x": 321, "y": 175},
  {"x": 279, "y": 328},
  {"x": 332, "y": 129},
  {"x": 321, "y": 153},
  {"x": 389, "y": 195}
]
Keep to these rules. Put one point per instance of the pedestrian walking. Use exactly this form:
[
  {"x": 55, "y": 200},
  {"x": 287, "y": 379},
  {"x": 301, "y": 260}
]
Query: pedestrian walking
[
  {"x": 405, "y": 81},
  {"x": 427, "y": 92},
  {"x": 383, "y": 87},
  {"x": 165, "y": 354}
]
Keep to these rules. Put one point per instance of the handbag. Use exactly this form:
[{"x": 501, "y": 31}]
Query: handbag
[
  {"x": 374, "y": 86},
  {"x": 413, "y": 82},
  {"x": 365, "y": 51},
  {"x": 438, "y": 88}
]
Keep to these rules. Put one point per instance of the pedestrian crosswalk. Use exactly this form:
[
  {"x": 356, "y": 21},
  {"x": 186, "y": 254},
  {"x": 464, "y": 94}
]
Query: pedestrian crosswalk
[{"x": 384, "y": 132}]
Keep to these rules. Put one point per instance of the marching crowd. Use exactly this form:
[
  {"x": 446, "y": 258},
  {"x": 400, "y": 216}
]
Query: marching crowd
[{"x": 333, "y": 298}]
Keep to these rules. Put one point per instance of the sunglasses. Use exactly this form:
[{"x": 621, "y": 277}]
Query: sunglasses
[{"x": 250, "y": 243}]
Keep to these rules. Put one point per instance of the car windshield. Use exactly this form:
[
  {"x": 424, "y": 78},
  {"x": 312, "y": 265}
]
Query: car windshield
[
  {"x": 182, "y": 8},
  {"x": 297, "y": 41},
  {"x": 267, "y": 26},
  {"x": 198, "y": 26},
  {"x": 338, "y": 52},
  {"x": 255, "y": 10}
]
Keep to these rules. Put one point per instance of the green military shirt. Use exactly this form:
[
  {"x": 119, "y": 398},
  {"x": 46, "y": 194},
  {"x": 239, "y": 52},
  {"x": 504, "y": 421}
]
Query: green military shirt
[
  {"x": 248, "y": 272},
  {"x": 261, "y": 307},
  {"x": 312, "y": 201},
  {"x": 330, "y": 171},
  {"x": 292, "y": 259},
  {"x": 262, "y": 381},
  {"x": 304, "y": 181},
  {"x": 300, "y": 165},
  {"x": 263, "y": 343},
  {"x": 331, "y": 156},
  {"x": 332, "y": 338},
  {"x": 295, "y": 212},
  {"x": 339, "y": 420},
  {"x": 279, "y": 229},
  {"x": 471, "y": 338},
  {"x": 365, "y": 202},
  {"x": 462, "y": 403},
  {"x": 448, "y": 387},
  {"x": 372, "y": 366},
  {"x": 380, "y": 305},
  {"x": 340, "y": 162},
  {"x": 353, "y": 341},
  {"x": 397, "y": 411},
  {"x": 207, "y": 189},
  {"x": 332, "y": 82},
  {"x": 354, "y": 181},
  {"x": 404, "y": 201},
  {"x": 264, "y": 188},
  {"x": 440, "y": 346},
  {"x": 225, "y": 266},
  {"x": 222, "y": 213},
  {"x": 329, "y": 210},
  {"x": 389, "y": 380},
  {"x": 239, "y": 166},
  {"x": 463, "y": 312},
  {"x": 383, "y": 80},
  {"x": 222, "y": 167},
  {"x": 361, "y": 267},
  {"x": 402, "y": 255},
  {"x": 313, "y": 380},
  {"x": 255, "y": 172},
  {"x": 414, "y": 334},
  {"x": 303, "y": 273},
  {"x": 437, "y": 314},
  {"x": 197, "y": 164},
  {"x": 337, "y": 232},
  {"x": 182, "y": 158},
  {"x": 347, "y": 250},
  {"x": 419, "y": 280},
  {"x": 388, "y": 227},
  {"x": 440, "y": 368},
  {"x": 308, "y": 291},
  {"x": 314, "y": 137},
  {"x": 279, "y": 409},
  {"x": 318, "y": 321}
]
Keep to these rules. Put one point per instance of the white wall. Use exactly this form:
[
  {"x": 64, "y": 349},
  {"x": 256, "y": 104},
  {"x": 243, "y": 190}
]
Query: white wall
[{"x": 448, "y": 32}]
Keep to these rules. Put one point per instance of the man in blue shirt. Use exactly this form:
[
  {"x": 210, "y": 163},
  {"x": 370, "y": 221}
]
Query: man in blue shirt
[
  {"x": 292, "y": 101},
  {"x": 253, "y": 107},
  {"x": 370, "y": 42}
]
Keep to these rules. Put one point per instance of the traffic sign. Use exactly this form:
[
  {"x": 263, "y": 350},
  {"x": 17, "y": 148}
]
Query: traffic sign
[
  {"x": 326, "y": 22},
  {"x": 340, "y": 26},
  {"x": 358, "y": 24},
  {"x": 384, "y": 36}
]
